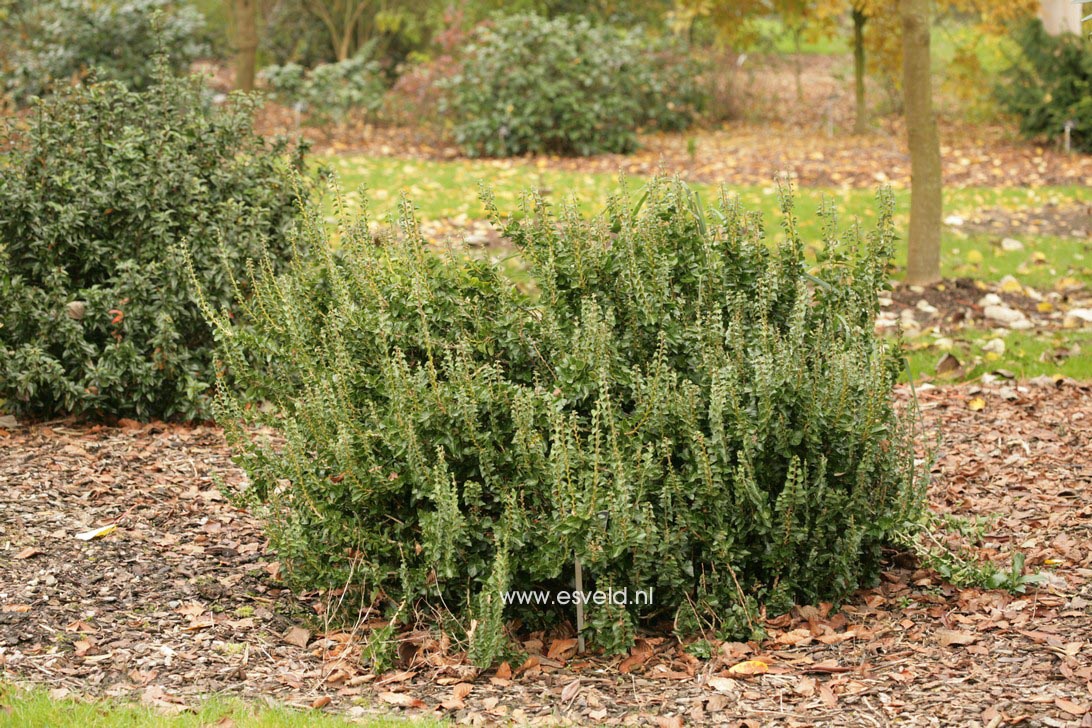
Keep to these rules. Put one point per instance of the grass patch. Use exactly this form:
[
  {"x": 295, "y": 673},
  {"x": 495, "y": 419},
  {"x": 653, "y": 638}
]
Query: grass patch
[
  {"x": 1026, "y": 354},
  {"x": 35, "y": 708},
  {"x": 1043, "y": 262},
  {"x": 448, "y": 190}
]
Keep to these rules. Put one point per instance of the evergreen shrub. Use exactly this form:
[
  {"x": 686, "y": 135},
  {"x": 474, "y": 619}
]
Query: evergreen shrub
[
  {"x": 1050, "y": 84},
  {"x": 97, "y": 196},
  {"x": 329, "y": 92},
  {"x": 56, "y": 41},
  {"x": 680, "y": 405},
  {"x": 566, "y": 86}
]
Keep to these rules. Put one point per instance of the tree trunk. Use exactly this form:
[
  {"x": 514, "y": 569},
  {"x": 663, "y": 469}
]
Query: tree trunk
[
  {"x": 923, "y": 256},
  {"x": 246, "y": 43},
  {"x": 860, "y": 124}
]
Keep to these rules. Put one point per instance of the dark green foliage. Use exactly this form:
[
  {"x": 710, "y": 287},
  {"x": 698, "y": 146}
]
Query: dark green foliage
[
  {"x": 330, "y": 91},
  {"x": 58, "y": 40},
  {"x": 680, "y": 406},
  {"x": 1050, "y": 84},
  {"x": 566, "y": 86},
  {"x": 96, "y": 311}
]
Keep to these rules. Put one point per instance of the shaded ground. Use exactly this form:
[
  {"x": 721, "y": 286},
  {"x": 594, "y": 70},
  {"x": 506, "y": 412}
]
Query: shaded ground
[{"x": 182, "y": 599}]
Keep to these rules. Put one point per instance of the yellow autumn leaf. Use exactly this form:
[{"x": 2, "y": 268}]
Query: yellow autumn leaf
[
  {"x": 97, "y": 532},
  {"x": 976, "y": 404},
  {"x": 749, "y": 667},
  {"x": 973, "y": 256}
]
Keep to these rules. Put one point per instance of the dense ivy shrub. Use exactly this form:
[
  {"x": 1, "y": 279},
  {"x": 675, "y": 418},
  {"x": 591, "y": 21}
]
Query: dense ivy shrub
[
  {"x": 58, "y": 40},
  {"x": 566, "y": 86},
  {"x": 680, "y": 406},
  {"x": 1050, "y": 84},
  {"x": 330, "y": 91},
  {"x": 97, "y": 197}
]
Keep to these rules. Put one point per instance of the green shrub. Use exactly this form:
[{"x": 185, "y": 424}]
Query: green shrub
[
  {"x": 330, "y": 91},
  {"x": 1049, "y": 85},
  {"x": 679, "y": 406},
  {"x": 59, "y": 40},
  {"x": 96, "y": 312},
  {"x": 565, "y": 86}
]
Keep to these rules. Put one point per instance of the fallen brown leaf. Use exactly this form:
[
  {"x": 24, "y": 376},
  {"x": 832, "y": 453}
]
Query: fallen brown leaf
[
  {"x": 749, "y": 667},
  {"x": 297, "y": 636},
  {"x": 948, "y": 637},
  {"x": 402, "y": 700}
]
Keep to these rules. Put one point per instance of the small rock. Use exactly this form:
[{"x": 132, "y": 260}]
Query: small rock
[
  {"x": 1021, "y": 325},
  {"x": 925, "y": 307},
  {"x": 997, "y": 346},
  {"x": 1084, "y": 314},
  {"x": 990, "y": 299},
  {"x": 1011, "y": 244},
  {"x": 886, "y": 320},
  {"x": 953, "y": 220},
  {"x": 1004, "y": 314}
]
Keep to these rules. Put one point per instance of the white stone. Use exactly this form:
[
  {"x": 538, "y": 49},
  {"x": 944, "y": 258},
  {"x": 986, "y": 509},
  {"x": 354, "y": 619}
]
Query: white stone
[
  {"x": 1004, "y": 314},
  {"x": 925, "y": 307},
  {"x": 1011, "y": 244},
  {"x": 997, "y": 346},
  {"x": 1082, "y": 314},
  {"x": 990, "y": 299},
  {"x": 953, "y": 220}
]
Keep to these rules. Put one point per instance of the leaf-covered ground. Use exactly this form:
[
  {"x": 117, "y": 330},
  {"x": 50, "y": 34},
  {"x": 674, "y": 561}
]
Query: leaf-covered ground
[{"x": 182, "y": 599}]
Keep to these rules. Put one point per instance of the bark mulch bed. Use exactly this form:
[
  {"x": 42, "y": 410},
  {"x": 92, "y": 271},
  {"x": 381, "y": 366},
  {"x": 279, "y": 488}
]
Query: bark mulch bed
[{"x": 182, "y": 599}]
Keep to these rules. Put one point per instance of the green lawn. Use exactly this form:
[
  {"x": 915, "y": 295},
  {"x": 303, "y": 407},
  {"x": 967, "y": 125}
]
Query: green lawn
[
  {"x": 449, "y": 191},
  {"x": 36, "y": 709},
  {"x": 1026, "y": 354}
]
